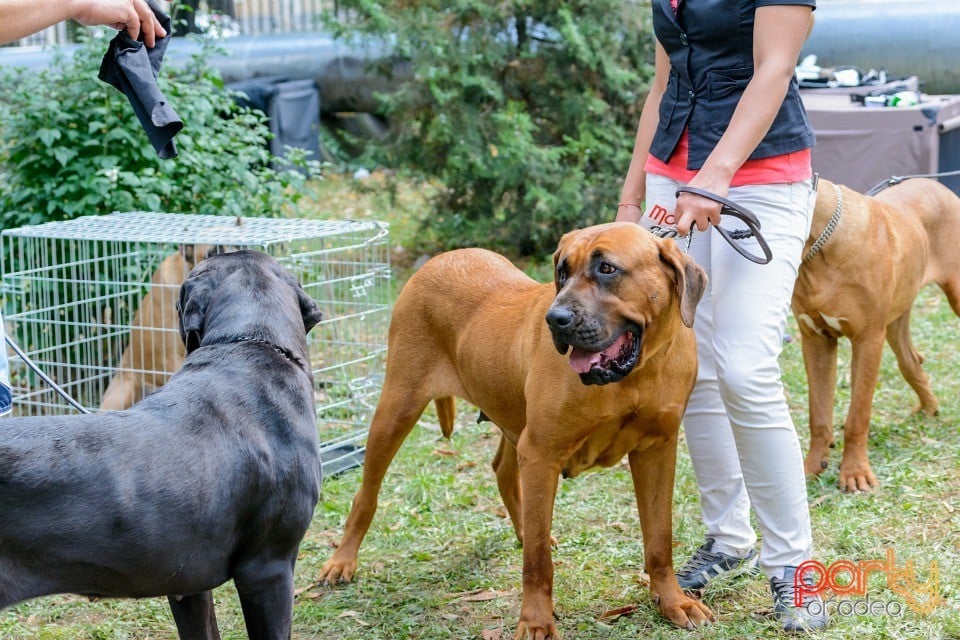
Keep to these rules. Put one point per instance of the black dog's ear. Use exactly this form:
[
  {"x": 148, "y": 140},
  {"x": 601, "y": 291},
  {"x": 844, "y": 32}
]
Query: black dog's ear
[
  {"x": 308, "y": 309},
  {"x": 191, "y": 309}
]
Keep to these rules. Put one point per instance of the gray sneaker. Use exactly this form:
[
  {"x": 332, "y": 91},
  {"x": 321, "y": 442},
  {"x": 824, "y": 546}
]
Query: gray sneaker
[
  {"x": 809, "y": 616},
  {"x": 705, "y": 565}
]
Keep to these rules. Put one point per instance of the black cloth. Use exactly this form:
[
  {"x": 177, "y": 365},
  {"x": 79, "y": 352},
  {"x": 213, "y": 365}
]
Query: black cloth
[{"x": 132, "y": 68}]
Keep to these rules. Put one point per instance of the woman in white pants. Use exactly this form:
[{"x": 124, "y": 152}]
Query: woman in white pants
[
  {"x": 724, "y": 116},
  {"x": 738, "y": 428}
]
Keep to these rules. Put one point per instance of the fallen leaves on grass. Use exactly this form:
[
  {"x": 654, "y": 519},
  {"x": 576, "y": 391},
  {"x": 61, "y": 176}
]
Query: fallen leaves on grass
[
  {"x": 761, "y": 613},
  {"x": 476, "y": 595},
  {"x": 614, "y": 614},
  {"x": 356, "y": 617}
]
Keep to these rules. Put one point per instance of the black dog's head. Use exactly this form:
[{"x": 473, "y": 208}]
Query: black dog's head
[{"x": 244, "y": 295}]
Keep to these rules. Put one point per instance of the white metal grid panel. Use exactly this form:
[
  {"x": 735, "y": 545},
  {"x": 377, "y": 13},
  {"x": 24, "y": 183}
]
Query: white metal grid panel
[{"x": 88, "y": 302}]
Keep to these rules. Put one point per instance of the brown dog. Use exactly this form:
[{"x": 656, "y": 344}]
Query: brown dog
[
  {"x": 472, "y": 325},
  {"x": 155, "y": 351},
  {"x": 862, "y": 284}
]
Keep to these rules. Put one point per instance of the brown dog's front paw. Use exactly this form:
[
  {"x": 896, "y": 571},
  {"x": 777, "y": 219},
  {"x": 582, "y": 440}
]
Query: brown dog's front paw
[
  {"x": 815, "y": 466},
  {"x": 536, "y": 619},
  {"x": 817, "y": 460},
  {"x": 685, "y": 612},
  {"x": 857, "y": 476},
  {"x": 535, "y": 631},
  {"x": 927, "y": 409},
  {"x": 337, "y": 570}
]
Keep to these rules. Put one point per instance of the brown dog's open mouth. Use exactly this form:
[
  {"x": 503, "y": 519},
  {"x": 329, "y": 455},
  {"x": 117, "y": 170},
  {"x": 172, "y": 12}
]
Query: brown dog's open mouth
[{"x": 612, "y": 363}]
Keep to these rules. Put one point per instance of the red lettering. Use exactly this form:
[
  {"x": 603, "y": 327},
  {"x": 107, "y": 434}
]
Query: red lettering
[
  {"x": 845, "y": 577},
  {"x": 800, "y": 585},
  {"x": 662, "y": 216},
  {"x": 874, "y": 566},
  {"x": 855, "y": 585}
]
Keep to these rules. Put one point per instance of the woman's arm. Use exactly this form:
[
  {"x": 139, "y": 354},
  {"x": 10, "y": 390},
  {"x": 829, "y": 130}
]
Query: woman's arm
[
  {"x": 21, "y": 18},
  {"x": 779, "y": 34},
  {"x": 634, "y": 184}
]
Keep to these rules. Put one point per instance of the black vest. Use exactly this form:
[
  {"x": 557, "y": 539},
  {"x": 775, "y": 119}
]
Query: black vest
[{"x": 710, "y": 44}]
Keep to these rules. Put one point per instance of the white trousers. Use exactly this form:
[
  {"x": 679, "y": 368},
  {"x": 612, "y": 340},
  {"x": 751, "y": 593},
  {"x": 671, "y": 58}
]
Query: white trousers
[{"x": 739, "y": 432}]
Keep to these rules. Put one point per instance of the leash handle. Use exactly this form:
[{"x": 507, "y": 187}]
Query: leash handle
[{"x": 730, "y": 208}]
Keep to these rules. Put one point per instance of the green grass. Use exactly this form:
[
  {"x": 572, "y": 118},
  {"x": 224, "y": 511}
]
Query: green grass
[{"x": 441, "y": 559}]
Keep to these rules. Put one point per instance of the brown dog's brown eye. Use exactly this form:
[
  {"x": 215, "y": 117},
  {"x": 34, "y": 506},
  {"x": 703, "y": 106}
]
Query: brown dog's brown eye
[{"x": 606, "y": 268}]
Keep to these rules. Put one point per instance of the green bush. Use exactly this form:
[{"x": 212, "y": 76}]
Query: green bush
[
  {"x": 525, "y": 112},
  {"x": 72, "y": 146}
]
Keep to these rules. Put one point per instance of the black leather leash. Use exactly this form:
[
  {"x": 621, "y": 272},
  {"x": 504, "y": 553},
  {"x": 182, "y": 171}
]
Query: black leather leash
[
  {"x": 893, "y": 180},
  {"x": 729, "y": 208}
]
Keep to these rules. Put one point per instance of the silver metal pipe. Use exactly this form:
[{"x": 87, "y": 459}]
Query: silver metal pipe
[
  {"x": 905, "y": 38},
  {"x": 340, "y": 68}
]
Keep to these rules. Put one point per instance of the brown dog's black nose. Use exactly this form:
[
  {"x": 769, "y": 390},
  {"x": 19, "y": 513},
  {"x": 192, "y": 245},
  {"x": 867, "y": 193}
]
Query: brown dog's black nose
[{"x": 559, "y": 317}]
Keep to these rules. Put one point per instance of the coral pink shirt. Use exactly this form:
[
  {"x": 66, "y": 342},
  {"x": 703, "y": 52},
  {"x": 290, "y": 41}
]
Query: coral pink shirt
[{"x": 789, "y": 167}]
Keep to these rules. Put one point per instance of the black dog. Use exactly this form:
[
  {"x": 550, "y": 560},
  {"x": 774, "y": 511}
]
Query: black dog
[{"x": 215, "y": 476}]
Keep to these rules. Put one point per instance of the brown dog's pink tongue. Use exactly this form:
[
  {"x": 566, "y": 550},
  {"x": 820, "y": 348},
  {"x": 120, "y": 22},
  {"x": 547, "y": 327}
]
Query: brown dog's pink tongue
[{"x": 582, "y": 361}]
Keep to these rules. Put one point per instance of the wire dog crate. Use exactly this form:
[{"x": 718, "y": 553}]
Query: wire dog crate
[{"x": 92, "y": 302}]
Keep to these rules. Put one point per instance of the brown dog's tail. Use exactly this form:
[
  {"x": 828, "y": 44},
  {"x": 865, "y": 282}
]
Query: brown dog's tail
[{"x": 446, "y": 412}]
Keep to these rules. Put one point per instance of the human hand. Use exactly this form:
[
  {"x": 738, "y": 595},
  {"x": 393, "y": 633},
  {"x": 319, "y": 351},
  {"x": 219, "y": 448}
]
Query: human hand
[
  {"x": 696, "y": 210},
  {"x": 133, "y": 16}
]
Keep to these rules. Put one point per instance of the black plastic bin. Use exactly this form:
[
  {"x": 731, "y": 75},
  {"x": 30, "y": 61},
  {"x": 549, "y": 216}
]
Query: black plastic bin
[{"x": 293, "y": 110}]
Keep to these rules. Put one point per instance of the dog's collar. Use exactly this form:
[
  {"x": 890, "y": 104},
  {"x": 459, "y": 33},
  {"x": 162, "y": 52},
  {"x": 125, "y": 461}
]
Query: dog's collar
[
  {"x": 829, "y": 229},
  {"x": 286, "y": 353}
]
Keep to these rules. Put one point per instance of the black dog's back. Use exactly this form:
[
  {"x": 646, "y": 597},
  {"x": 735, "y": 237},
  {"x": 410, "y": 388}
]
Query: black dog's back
[{"x": 215, "y": 476}]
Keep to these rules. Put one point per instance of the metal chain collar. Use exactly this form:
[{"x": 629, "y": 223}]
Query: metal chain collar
[{"x": 829, "y": 229}]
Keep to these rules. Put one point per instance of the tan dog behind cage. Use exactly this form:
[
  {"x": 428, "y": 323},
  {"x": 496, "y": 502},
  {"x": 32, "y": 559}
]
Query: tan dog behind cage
[
  {"x": 860, "y": 282},
  {"x": 155, "y": 351}
]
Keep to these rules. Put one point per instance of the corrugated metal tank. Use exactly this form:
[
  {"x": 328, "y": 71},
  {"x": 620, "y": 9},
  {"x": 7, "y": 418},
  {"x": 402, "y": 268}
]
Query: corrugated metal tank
[{"x": 905, "y": 37}]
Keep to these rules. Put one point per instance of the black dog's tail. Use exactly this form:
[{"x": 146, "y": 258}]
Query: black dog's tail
[{"x": 446, "y": 412}]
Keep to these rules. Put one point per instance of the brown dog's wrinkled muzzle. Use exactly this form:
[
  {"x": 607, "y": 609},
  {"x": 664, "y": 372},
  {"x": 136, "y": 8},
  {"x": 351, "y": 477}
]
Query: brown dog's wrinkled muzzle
[{"x": 596, "y": 362}]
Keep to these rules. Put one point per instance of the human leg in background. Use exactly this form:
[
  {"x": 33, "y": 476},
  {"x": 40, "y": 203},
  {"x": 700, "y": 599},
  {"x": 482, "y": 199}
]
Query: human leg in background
[{"x": 6, "y": 396}]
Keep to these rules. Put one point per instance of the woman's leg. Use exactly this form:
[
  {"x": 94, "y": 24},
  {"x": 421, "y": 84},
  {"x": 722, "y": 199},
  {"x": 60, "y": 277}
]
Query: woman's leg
[
  {"x": 750, "y": 311},
  {"x": 713, "y": 451}
]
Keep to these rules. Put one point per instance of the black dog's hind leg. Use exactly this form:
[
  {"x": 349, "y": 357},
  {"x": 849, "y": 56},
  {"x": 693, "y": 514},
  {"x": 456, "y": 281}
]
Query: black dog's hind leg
[
  {"x": 19, "y": 580},
  {"x": 266, "y": 597},
  {"x": 195, "y": 617}
]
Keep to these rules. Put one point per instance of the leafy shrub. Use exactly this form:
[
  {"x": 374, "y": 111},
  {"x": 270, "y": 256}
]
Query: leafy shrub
[
  {"x": 525, "y": 112},
  {"x": 72, "y": 146}
]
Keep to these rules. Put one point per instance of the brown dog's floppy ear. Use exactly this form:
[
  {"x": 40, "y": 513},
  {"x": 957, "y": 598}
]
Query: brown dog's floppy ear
[
  {"x": 308, "y": 309},
  {"x": 191, "y": 309},
  {"x": 561, "y": 248},
  {"x": 690, "y": 277},
  {"x": 556, "y": 260}
]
